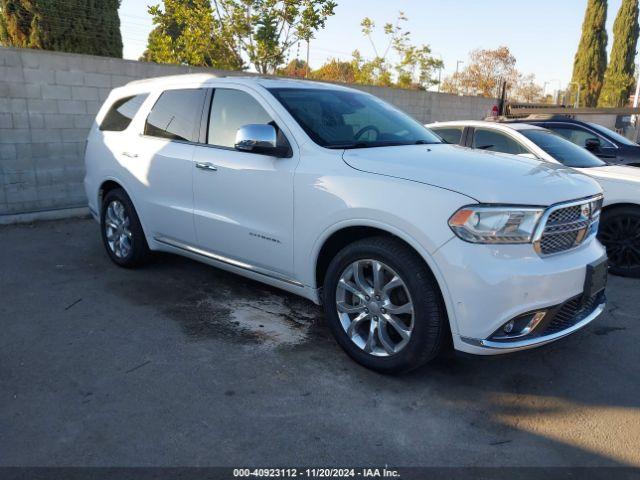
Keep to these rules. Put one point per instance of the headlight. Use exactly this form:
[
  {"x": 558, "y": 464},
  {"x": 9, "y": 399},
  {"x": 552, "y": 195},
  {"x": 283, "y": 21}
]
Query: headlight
[{"x": 495, "y": 224}]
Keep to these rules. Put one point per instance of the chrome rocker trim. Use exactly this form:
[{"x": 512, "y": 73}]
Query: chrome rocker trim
[
  {"x": 226, "y": 260},
  {"x": 536, "y": 341}
]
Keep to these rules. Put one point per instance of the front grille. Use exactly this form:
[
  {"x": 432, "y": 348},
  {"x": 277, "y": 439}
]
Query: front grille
[
  {"x": 571, "y": 313},
  {"x": 567, "y": 227},
  {"x": 564, "y": 215}
]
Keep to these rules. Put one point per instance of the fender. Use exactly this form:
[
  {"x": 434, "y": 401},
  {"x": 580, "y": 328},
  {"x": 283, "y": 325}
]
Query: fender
[{"x": 424, "y": 254}]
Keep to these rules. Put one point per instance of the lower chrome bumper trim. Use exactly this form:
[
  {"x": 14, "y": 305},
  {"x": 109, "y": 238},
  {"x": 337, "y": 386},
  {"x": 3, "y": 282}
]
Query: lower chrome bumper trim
[{"x": 535, "y": 341}]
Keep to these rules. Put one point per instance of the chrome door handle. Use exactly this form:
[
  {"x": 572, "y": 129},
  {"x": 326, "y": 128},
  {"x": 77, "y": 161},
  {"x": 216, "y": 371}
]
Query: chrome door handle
[
  {"x": 130, "y": 155},
  {"x": 206, "y": 166}
]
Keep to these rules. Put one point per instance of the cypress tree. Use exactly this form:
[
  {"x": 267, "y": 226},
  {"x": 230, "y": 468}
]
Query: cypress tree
[
  {"x": 619, "y": 77},
  {"x": 591, "y": 58},
  {"x": 78, "y": 26}
]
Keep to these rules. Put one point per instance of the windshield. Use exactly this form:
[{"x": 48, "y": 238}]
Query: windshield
[
  {"x": 342, "y": 119},
  {"x": 562, "y": 150},
  {"x": 614, "y": 135}
]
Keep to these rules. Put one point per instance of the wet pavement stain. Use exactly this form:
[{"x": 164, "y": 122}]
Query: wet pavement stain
[{"x": 210, "y": 303}]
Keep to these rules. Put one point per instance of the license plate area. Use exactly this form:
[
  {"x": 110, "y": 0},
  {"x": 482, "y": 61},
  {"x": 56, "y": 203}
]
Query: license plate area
[{"x": 595, "y": 280}]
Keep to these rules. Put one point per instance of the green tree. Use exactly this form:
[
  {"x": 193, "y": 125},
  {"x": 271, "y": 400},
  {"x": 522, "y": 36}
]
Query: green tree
[
  {"x": 484, "y": 73},
  {"x": 591, "y": 58},
  {"x": 264, "y": 30},
  {"x": 411, "y": 66},
  {"x": 295, "y": 68},
  {"x": 619, "y": 77},
  {"x": 186, "y": 32},
  {"x": 335, "y": 71},
  {"x": 78, "y": 26}
]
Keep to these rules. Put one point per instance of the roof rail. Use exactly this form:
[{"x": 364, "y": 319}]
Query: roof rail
[{"x": 185, "y": 76}]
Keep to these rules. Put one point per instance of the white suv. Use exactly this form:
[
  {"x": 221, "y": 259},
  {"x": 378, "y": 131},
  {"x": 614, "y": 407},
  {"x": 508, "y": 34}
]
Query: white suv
[{"x": 330, "y": 193}]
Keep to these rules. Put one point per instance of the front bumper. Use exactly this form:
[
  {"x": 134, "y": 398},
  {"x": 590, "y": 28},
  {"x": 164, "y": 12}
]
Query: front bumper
[
  {"x": 553, "y": 329},
  {"x": 488, "y": 285}
]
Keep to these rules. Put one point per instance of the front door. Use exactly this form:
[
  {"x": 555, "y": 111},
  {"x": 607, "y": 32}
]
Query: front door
[
  {"x": 243, "y": 202},
  {"x": 580, "y": 135}
]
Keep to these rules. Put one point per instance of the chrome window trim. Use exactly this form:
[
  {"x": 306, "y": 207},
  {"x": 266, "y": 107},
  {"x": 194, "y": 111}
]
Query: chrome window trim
[{"x": 542, "y": 224}]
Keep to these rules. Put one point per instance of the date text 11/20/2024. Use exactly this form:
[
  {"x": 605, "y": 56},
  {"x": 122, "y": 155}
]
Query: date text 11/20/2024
[{"x": 315, "y": 473}]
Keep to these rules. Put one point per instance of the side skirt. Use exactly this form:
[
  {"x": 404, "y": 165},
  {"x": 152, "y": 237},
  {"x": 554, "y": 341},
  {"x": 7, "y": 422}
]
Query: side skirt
[{"x": 268, "y": 277}]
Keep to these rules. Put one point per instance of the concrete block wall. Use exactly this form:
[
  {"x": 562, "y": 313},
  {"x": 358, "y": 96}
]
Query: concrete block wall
[{"x": 48, "y": 101}]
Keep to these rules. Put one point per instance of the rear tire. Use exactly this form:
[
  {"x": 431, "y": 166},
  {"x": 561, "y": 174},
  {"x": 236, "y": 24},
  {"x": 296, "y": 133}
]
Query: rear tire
[
  {"x": 121, "y": 230},
  {"x": 383, "y": 306},
  {"x": 619, "y": 232}
]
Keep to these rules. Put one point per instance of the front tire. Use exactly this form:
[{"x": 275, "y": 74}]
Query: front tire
[
  {"x": 383, "y": 305},
  {"x": 619, "y": 232},
  {"x": 122, "y": 232}
]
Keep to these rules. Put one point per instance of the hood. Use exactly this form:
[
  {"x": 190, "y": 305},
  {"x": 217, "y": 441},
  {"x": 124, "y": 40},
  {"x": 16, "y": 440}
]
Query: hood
[
  {"x": 613, "y": 173},
  {"x": 485, "y": 176}
]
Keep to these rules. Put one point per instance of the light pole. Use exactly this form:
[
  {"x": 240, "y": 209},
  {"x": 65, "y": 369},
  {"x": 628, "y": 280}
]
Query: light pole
[
  {"x": 458, "y": 63},
  {"x": 557, "y": 92}
]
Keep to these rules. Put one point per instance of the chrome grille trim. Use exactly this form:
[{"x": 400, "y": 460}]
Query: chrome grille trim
[{"x": 564, "y": 227}]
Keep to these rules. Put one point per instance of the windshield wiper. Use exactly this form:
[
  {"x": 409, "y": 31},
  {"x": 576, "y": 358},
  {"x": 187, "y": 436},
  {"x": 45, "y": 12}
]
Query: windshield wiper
[{"x": 348, "y": 146}]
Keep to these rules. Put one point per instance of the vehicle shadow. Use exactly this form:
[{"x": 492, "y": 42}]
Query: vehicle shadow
[{"x": 576, "y": 399}]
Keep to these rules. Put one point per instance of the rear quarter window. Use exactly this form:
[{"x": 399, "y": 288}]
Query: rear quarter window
[{"x": 122, "y": 112}]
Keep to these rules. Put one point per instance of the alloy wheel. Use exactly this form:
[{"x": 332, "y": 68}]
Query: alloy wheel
[
  {"x": 374, "y": 307},
  {"x": 117, "y": 229},
  {"x": 621, "y": 237}
]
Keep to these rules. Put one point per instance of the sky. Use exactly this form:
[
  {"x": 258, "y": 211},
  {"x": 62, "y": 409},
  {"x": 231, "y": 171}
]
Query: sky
[{"x": 543, "y": 35}]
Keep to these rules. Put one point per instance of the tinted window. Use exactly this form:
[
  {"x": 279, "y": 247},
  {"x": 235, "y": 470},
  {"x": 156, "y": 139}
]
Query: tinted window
[
  {"x": 122, "y": 112},
  {"x": 176, "y": 115},
  {"x": 345, "y": 119},
  {"x": 615, "y": 135},
  {"x": 577, "y": 135},
  {"x": 450, "y": 134},
  {"x": 562, "y": 150},
  {"x": 496, "y": 142},
  {"x": 230, "y": 110}
]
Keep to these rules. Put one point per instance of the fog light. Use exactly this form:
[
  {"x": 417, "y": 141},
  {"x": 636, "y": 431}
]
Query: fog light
[{"x": 519, "y": 327}]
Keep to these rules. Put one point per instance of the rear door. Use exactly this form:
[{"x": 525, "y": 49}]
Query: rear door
[{"x": 162, "y": 157}]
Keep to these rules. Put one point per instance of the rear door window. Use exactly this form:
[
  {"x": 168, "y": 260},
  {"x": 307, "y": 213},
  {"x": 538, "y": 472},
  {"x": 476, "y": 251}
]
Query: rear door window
[
  {"x": 119, "y": 116},
  {"x": 177, "y": 115}
]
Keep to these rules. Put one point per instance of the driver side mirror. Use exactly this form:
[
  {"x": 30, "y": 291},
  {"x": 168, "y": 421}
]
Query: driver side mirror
[
  {"x": 592, "y": 144},
  {"x": 261, "y": 139}
]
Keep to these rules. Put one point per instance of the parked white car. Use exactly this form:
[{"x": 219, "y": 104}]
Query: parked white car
[
  {"x": 334, "y": 195},
  {"x": 620, "y": 220}
]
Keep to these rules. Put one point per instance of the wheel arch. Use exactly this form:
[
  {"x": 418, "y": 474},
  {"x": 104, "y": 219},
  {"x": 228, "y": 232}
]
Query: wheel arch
[
  {"x": 615, "y": 206},
  {"x": 342, "y": 235},
  {"x": 106, "y": 186}
]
